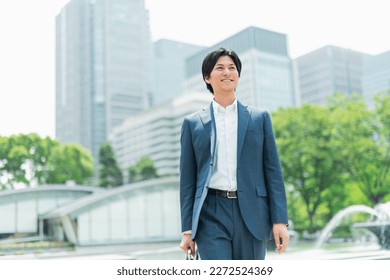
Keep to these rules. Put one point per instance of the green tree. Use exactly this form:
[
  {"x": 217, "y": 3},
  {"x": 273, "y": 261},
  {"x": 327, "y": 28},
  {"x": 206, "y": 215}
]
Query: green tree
[
  {"x": 3, "y": 161},
  {"x": 110, "y": 175},
  {"x": 40, "y": 154},
  {"x": 69, "y": 162},
  {"x": 144, "y": 169},
  {"x": 23, "y": 159},
  {"x": 133, "y": 174},
  {"x": 29, "y": 159},
  {"x": 310, "y": 160},
  {"x": 364, "y": 137},
  {"x": 382, "y": 112}
]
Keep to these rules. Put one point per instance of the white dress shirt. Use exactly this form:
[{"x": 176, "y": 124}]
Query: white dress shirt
[{"x": 225, "y": 164}]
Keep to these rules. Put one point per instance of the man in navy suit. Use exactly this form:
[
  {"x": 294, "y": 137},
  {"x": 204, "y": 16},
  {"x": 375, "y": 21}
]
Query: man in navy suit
[{"x": 232, "y": 193}]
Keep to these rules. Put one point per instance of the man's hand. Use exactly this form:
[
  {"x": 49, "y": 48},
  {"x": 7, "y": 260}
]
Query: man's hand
[
  {"x": 280, "y": 232},
  {"x": 187, "y": 243}
]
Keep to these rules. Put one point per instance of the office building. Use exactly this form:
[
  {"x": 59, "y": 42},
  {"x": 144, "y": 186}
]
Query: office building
[
  {"x": 156, "y": 133},
  {"x": 169, "y": 69},
  {"x": 376, "y": 76},
  {"x": 102, "y": 68},
  {"x": 267, "y": 73},
  {"x": 328, "y": 70}
]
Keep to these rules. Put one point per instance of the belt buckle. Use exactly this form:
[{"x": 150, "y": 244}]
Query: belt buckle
[{"x": 228, "y": 195}]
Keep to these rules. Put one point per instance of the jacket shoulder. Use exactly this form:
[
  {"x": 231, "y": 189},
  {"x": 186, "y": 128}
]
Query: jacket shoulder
[
  {"x": 257, "y": 112},
  {"x": 194, "y": 117}
]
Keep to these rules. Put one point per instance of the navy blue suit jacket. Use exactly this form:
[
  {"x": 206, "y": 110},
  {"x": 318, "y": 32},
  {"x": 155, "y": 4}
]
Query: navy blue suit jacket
[{"x": 260, "y": 185}]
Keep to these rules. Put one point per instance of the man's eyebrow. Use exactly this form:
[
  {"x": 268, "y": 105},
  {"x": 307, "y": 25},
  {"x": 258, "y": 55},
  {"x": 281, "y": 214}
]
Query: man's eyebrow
[{"x": 221, "y": 64}]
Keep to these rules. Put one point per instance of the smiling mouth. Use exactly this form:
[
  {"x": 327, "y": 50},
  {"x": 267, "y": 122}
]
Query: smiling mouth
[{"x": 227, "y": 80}]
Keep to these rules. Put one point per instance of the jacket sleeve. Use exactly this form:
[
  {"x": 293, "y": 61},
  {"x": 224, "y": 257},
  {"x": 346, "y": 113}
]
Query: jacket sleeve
[
  {"x": 188, "y": 175},
  {"x": 273, "y": 175}
]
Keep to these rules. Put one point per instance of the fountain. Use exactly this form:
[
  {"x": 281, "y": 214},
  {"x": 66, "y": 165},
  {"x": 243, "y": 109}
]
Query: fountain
[
  {"x": 379, "y": 227},
  {"x": 379, "y": 224}
]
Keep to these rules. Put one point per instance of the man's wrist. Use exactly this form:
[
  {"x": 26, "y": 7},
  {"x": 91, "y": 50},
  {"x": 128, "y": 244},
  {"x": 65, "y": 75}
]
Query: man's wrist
[{"x": 281, "y": 224}]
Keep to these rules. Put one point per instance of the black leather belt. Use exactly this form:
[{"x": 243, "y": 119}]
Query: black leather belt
[{"x": 226, "y": 194}]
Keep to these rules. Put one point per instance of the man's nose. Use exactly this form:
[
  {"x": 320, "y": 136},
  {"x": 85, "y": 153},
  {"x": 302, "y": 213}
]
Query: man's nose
[{"x": 226, "y": 71}]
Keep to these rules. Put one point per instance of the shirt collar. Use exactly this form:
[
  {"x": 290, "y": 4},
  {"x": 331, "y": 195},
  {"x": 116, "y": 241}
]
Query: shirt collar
[{"x": 219, "y": 109}]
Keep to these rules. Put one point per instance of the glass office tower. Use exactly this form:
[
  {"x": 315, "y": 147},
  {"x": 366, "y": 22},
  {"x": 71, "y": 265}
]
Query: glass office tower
[
  {"x": 169, "y": 69},
  {"x": 328, "y": 70},
  {"x": 267, "y": 74},
  {"x": 102, "y": 68},
  {"x": 376, "y": 76}
]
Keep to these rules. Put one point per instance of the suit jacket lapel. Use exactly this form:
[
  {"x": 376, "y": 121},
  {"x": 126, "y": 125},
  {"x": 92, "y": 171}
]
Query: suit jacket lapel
[
  {"x": 207, "y": 117},
  {"x": 243, "y": 121}
]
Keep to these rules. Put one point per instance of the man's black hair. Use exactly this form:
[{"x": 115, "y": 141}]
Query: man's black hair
[{"x": 211, "y": 59}]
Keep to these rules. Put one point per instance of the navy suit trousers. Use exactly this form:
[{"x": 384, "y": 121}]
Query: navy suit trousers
[{"x": 222, "y": 233}]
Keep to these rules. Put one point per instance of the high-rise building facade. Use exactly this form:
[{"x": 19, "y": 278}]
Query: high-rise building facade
[
  {"x": 169, "y": 68},
  {"x": 102, "y": 68},
  {"x": 156, "y": 133},
  {"x": 328, "y": 70},
  {"x": 267, "y": 73},
  {"x": 376, "y": 76}
]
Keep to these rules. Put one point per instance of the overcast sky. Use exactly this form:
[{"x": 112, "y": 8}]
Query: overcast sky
[{"x": 27, "y": 48}]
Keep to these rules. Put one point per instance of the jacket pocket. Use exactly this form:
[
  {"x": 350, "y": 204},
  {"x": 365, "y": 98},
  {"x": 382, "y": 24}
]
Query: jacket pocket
[{"x": 261, "y": 190}]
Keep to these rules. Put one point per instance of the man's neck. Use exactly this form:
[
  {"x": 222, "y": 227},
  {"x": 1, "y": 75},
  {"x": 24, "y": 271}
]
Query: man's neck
[{"x": 224, "y": 101}]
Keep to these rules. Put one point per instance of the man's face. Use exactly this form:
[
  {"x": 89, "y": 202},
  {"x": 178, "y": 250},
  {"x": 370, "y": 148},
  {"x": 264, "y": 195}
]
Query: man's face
[{"x": 224, "y": 76}]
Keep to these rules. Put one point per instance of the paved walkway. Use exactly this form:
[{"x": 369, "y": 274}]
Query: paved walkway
[
  {"x": 171, "y": 251},
  {"x": 157, "y": 250}
]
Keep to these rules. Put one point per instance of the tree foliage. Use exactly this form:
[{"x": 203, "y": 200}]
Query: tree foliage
[
  {"x": 334, "y": 156},
  {"x": 309, "y": 158},
  {"x": 110, "y": 175},
  {"x": 144, "y": 169},
  {"x": 364, "y": 137},
  {"x": 27, "y": 159},
  {"x": 69, "y": 162}
]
